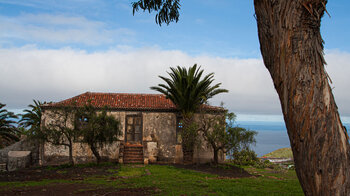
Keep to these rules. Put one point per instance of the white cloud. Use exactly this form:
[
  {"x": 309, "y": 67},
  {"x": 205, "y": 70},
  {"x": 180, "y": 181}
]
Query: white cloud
[
  {"x": 61, "y": 29},
  {"x": 339, "y": 71},
  {"x": 45, "y": 4},
  {"x": 51, "y": 75}
]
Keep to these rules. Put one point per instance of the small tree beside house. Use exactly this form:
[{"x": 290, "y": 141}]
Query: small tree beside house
[
  {"x": 60, "y": 130},
  {"x": 222, "y": 135},
  {"x": 96, "y": 128},
  {"x": 188, "y": 89}
]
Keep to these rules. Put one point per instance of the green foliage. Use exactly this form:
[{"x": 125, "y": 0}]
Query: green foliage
[
  {"x": 245, "y": 157},
  {"x": 96, "y": 128},
  {"x": 187, "y": 89},
  {"x": 8, "y": 130},
  {"x": 167, "y": 10},
  {"x": 31, "y": 121},
  {"x": 59, "y": 129},
  {"x": 69, "y": 123},
  {"x": 220, "y": 132},
  {"x": 190, "y": 136},
  {"x": 239, "y": 138}
]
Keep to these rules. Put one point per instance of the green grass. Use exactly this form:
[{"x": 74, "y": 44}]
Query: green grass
[
  {"x": 280, "y": 153},
  {"x": 168, "y": 180},
  {"x": 175, "y": 181}
]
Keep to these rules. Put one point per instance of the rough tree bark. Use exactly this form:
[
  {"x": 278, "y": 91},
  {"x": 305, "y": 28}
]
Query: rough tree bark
[
  {"x": 96, "y": 153},
  {"x": 292, "y": 50},
  {"x": 70, "y": 147},
  {"x": 216, "y": 158},
  {"x": 187, "y": 143}
]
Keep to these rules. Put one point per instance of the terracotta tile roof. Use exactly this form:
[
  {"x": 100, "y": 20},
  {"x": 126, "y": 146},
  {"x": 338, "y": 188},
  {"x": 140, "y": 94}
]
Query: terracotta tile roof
[{"x": 123, "y": 101}]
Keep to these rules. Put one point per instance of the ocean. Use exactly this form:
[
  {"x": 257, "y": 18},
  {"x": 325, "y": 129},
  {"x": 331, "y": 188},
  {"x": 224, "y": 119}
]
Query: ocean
[{"x": 272, "y": 133}]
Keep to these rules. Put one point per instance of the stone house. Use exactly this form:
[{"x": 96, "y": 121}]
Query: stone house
[{"x": 150, "y": 124}]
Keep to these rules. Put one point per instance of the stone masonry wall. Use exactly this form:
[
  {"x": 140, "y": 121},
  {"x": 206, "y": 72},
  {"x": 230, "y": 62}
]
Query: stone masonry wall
[
  {"x": 159, "y": 136},
  {"x": 53, "y": 154},
  {"x": 159, "y": 142},
  {"x": 23, "y": 145},
  {"x": 203, "y": 152}
]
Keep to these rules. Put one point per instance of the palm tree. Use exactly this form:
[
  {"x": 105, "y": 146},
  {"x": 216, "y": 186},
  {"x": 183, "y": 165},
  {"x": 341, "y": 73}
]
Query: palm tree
[
  {"x": 188, "y": 91},
  {"x": 32, "y": 119},
  {"x": 8, "y": 131}
]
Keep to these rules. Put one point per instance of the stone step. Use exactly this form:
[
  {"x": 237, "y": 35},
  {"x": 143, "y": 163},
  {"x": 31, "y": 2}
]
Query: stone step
[
  {"x": 133, "y": 152},
  {"x": 133, "y": 149},
  {"x": 133, "y": 161},
  {"x": 133, "y": 158}
]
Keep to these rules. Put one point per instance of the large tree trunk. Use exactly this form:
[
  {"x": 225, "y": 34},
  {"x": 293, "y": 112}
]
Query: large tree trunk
[{"x": 292, "y": 49}]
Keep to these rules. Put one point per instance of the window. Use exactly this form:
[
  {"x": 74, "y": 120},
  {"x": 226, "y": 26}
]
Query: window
[
  {"x": 179, "y": 128},
  {"x": 82, "y": 121}
]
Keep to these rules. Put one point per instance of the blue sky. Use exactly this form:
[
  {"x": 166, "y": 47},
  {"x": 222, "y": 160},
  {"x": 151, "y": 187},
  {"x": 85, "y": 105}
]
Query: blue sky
[{"x": 55, "y": 49}]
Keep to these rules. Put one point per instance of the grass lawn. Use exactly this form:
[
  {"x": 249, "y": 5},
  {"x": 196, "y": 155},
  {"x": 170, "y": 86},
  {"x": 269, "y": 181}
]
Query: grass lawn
[{"x": 161, "y": 180}]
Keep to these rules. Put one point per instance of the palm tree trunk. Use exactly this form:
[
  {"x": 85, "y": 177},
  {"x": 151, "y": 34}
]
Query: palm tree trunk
[
  {"x": 292, "y": 49},
  {"x": 187, "y": 139}
]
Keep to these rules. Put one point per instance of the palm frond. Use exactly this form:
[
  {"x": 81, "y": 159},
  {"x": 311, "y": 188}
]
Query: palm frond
[{"x": 187, "y": 88}]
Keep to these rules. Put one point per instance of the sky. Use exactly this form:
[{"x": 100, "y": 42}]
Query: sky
[{"x": 51, "y": 50}]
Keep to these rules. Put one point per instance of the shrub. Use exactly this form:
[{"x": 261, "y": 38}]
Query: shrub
[{"x": 245, "y": 157}]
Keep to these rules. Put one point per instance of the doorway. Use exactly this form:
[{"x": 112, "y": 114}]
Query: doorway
[{"x": 133, "y": 129}]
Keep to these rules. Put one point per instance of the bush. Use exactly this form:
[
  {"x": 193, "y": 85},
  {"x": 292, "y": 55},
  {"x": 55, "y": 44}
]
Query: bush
[
  {"x": 248, "y": 157},
  {"x": 265, "y": 164},
  {"x": 245, "y": 157}
]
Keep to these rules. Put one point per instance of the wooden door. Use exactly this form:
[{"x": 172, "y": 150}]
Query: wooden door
[{"x": 133, "y": 129}]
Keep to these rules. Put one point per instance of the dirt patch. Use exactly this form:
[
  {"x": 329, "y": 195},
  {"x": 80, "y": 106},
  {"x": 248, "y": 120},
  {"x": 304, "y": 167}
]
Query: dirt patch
[
  {"x": 222, "y": 170},
  {"x": 76, "y": 189},
  {"x": 54, "y": 172}
]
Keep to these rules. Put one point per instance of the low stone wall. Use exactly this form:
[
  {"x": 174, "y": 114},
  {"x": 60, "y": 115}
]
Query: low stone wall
[
  {"x": 23, "y": 145},
  {"x": 18, "y": 160},
  {"x": 81, "y": 153}
]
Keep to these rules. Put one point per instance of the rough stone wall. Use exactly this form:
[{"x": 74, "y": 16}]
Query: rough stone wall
[
  {"x": 203, "y": 152},
  {"x": 23, "y": 145},
  {"x": 121, "y": 117},
  {"x": 159, "y": 142},
  {"x": 159, "y": 136},
  {"x": 81, "y": 153},
  {"x": 53, "y": 154}
]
